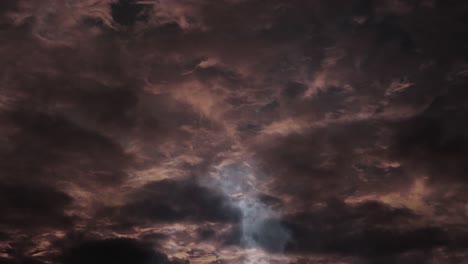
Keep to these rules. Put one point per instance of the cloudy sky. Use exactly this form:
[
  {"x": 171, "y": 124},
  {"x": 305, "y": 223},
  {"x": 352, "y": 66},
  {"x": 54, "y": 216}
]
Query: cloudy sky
[{"x": 233, "y": 131}]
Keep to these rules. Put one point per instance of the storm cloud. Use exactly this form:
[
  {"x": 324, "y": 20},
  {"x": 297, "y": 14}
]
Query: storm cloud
[{"x": 233, "y": 131}]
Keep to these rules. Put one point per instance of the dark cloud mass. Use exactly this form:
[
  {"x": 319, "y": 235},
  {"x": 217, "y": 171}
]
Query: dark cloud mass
[
  {"x": 33, "y": 207},
  {"x": 171, "y": 201},
  {"x": 116, "y": 250},
  {"x": 233, "y": 131}
]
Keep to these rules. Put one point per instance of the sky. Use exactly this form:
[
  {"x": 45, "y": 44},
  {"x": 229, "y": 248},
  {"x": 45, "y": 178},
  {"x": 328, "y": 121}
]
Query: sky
[{"x": 233, "y": 131}]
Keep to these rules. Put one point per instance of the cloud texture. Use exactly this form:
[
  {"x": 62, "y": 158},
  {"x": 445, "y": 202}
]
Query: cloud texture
[{"x": 233, "y": 131}]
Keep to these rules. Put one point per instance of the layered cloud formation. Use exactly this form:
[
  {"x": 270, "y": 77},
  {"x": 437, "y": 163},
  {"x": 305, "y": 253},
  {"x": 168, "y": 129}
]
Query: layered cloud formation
[{"x": 233, "y": 131}]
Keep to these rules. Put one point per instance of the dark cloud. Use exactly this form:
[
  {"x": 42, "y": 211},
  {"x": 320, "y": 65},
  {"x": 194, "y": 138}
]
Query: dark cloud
[
  {"x": 117, "y": 250},
  {"x": 16, "y": 261},
  {"x": 31, "y": 207},
  {"x": 294, "y": 89},
  {"x": 128, "y": 12},
  {"x": 437, "y": 140},
  {"x": 174, "y": 201},
  {"x": 336, "y": 156},
  {"x": 196, "y": 126},
  {"x": 7, "y": 5},
  {"x": 370, "y": 230},
  {"x": 50, "y": 147}
]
